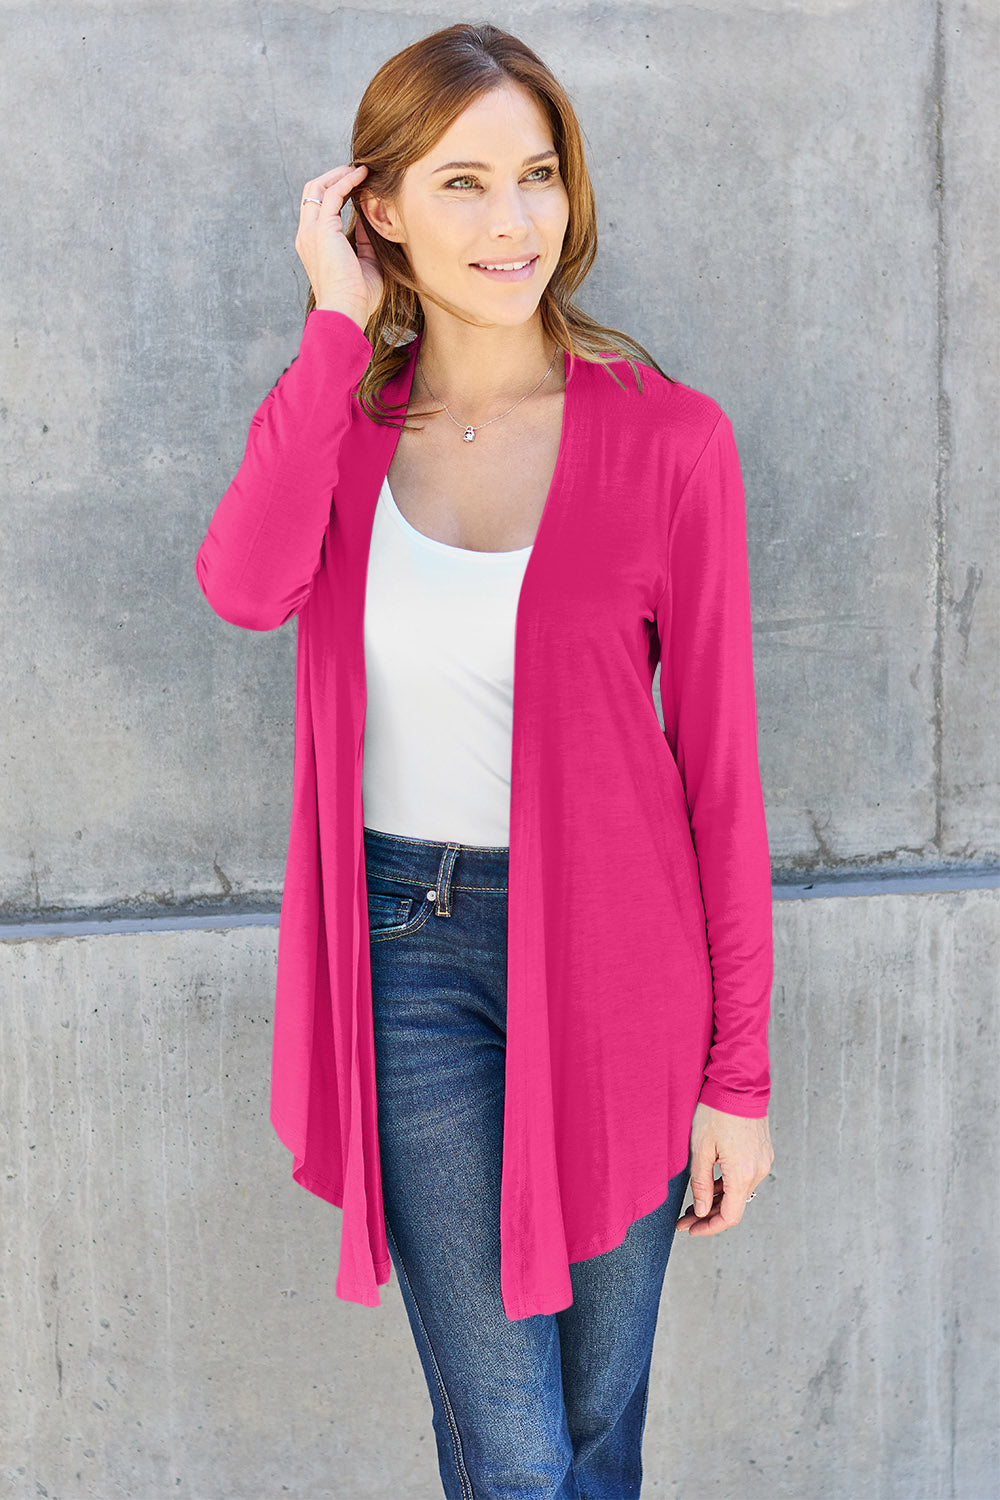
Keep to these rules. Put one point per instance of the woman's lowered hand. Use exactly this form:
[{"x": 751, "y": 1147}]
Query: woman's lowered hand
[{"x": 742, "y": 1147}]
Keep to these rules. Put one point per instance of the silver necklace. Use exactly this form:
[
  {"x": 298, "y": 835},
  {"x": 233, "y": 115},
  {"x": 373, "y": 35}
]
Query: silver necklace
[{"x": 469, "y": 433}]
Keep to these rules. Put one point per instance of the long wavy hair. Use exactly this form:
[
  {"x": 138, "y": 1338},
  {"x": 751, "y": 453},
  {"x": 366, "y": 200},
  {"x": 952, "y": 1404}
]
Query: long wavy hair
[{"x": 408, "y": 105}]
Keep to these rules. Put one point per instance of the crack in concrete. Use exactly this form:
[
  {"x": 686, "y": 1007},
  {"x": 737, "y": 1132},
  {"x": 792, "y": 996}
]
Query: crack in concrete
[
  {"x": 224, "y": 881},
  {"x": 274, "y": 104},
  {"x": 963, "y": 607}
]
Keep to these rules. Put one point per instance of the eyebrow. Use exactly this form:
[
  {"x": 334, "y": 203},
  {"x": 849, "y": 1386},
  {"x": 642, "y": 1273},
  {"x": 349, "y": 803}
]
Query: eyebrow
[{"x": 484, "y": 166}]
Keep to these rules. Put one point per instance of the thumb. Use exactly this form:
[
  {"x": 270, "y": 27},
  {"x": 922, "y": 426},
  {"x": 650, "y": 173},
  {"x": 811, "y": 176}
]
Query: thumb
[{"x": 702, "y": 1183}]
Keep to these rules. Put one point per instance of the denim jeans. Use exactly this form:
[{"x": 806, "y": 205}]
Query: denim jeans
[{"x": 553, "y": 1406}]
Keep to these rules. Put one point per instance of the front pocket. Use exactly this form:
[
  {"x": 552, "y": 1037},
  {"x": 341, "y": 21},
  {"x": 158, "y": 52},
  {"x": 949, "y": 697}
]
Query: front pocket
[
  {"x": 385, "y": 912},
  {"x": 392, "y": 914}
]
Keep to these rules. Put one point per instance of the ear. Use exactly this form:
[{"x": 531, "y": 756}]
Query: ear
[{"x": 379, "y": 214}]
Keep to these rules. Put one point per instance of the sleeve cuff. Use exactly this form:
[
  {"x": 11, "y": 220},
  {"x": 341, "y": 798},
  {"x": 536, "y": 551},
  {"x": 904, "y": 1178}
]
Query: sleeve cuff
[{"x": 751, "y": 1106}]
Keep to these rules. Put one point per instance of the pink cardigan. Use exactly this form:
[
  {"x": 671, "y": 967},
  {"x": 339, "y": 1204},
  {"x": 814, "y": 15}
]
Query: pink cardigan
[{"x": 639, "y": 937}]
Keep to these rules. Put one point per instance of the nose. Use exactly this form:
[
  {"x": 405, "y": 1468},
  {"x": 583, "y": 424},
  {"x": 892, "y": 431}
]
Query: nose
[{"x": 508, "y": 212}]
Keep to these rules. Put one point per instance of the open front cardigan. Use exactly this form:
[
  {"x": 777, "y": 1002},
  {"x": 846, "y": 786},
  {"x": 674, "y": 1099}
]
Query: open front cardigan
[{"x": 639, "y": 939}]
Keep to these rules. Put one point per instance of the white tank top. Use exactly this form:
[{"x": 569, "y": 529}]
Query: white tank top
[{"x": 439, "y": 661}]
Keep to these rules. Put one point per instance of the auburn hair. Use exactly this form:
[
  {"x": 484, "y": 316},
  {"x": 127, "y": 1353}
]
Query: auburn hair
[{"x": 408, "y": 105}]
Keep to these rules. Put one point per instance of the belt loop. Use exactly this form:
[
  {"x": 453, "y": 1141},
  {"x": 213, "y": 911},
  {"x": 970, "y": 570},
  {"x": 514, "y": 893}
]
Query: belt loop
[{"x": 442, "y": 907}]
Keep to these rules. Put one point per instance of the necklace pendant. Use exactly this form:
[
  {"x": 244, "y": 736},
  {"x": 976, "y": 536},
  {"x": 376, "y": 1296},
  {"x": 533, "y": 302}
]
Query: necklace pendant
[{"x": 469, "y": 434}]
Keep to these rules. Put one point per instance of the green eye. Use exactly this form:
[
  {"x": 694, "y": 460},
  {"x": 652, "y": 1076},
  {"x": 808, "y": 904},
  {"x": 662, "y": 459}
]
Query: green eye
[{"x": 546, "y": 171}]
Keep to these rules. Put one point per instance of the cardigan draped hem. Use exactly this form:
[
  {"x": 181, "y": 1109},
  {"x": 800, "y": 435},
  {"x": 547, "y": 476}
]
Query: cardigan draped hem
[{"x": 552, "y": 1300}]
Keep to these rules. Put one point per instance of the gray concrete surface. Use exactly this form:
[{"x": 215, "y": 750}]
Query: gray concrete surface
[
  {"x": 969, "y": 354},
  {"x": 770, "y": 228},
  {"x": 168, "y": 1311},
  {"x": 798, "y": 208}
]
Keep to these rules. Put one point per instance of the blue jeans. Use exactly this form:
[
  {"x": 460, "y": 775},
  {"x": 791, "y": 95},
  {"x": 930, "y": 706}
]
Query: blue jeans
[{"x": 549, "y": 1406}]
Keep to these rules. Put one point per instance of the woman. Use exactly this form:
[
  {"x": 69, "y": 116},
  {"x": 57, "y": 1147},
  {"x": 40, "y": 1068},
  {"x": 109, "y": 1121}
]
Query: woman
[{"x": 537, "y": 920}]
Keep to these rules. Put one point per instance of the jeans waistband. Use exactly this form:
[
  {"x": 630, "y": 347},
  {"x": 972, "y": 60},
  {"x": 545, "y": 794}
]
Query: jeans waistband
[{"x": 436, "y": 864}]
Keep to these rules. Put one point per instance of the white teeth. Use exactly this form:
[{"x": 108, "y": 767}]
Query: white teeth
[{"x": 517, "y": 266}]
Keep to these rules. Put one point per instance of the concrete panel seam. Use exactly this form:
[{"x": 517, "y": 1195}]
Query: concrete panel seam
[
  {"x": 916, "y": 884},
  {"x": 943, "y": 434}
]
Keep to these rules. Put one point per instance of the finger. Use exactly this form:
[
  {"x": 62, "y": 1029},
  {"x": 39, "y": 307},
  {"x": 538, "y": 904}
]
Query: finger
[
  {"x": 710, "y": 1224},
  {"x": 703, "y": 1184},
  {"x": 713, "y": 1223},
  {"x": 733, "y": 1203},
  {"x": 338, "y": 194},
  {"x": 334, "y": 185},
  {"x": 328, "y": 179},
  {"x": 690, "y": 1216}
]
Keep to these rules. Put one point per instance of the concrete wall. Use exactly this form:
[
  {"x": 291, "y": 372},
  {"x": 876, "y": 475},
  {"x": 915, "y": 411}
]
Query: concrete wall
[
  {"x": 798, "y": 212},
  {"x": 170, "y": 1321}
]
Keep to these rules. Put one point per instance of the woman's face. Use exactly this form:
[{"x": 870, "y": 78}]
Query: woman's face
[{"x": 508, "y": 208}]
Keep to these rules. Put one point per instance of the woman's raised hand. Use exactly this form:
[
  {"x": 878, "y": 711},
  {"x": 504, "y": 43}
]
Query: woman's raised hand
[{"x": 342, "y": 280}]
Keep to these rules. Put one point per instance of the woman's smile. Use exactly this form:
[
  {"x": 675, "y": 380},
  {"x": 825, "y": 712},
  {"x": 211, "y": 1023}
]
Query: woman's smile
[{"x": 519, "y": 275}]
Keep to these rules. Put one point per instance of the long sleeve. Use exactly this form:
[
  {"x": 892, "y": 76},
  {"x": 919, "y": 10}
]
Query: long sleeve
[
  {"x": 710, "y": 722},
  {"x": 262, "y": 549}
]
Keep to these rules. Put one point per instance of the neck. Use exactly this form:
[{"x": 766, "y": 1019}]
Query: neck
[{"x": 477, "y": 372}]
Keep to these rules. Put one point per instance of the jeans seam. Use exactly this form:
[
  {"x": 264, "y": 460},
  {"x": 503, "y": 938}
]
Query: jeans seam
[
  {"x": 456, "y": 885},
  {"x": 456, "y": 1440},
  {"x": 645, "y": 1403}
]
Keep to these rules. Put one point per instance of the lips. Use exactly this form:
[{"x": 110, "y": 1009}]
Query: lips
[
  {"x": 481, "y": 265},
  {"x": 523, "y": 274}
]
